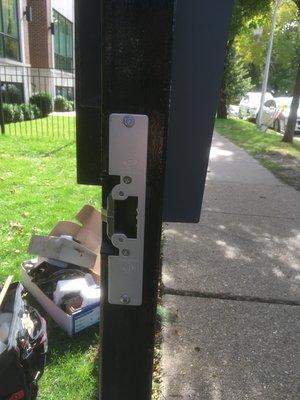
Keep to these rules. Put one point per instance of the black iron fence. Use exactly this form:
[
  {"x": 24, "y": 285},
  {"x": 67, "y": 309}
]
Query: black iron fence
[{"x": 37, "y": 102}]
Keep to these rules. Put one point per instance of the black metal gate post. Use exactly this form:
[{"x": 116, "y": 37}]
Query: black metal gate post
[
  {"x": 124, "y": 68},
  {"x": 136, "y": 73}
]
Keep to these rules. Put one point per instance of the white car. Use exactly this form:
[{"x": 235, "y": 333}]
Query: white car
[
  {"x": 250, "y": 104},
  {"x": 276, "y": 113},
  {"x": 233, "y": 110}
]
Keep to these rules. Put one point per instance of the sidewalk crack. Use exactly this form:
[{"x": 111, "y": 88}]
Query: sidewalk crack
[
  {"x": 248, "y": 215},
  {"x": 229, "y": 296}
]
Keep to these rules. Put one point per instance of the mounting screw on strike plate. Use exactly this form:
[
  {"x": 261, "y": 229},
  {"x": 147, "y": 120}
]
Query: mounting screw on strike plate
[
  {"x": 125, "y": 252},
  {"x": 127, "y": 180},
  {"x": 125, "y": 299},
  {"x": 128, "y": 121}
]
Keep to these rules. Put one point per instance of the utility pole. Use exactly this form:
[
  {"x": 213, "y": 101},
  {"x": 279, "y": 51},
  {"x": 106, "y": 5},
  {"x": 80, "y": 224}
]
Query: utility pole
[{"x": 267, "y": 64}]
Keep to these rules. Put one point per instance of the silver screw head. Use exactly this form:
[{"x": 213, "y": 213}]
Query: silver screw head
[
  {"x": 125, "y": 299},
  {"x": 129, "y": 121},
  {"x": 127, "y": 180},
  {"x": 125, "y": 252},
  {"x": 121, "y": 193}
]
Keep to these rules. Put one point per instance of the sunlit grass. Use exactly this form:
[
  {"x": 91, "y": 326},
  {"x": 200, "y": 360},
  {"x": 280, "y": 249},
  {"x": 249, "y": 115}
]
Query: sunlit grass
[
  {"x": 38, "y": 188},
  {"x": 246, "y": 135}
]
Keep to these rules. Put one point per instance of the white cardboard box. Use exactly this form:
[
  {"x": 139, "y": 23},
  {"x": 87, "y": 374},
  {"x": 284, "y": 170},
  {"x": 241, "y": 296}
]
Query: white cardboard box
[
  {"x": 72, "y": 324},
  {"x": 84, "y": 251}
]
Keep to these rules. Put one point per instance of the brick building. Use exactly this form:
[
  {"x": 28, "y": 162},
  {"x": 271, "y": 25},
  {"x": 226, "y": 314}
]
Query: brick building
[{"x": 37, "y": 47}]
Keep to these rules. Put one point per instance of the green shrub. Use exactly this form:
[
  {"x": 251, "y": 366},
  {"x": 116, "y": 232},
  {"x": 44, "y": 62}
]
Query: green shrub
[
  {"x": 28, "y": 112},
  {"x": 36, "y": 111},
  {"x": 12, "y": 113},
  {"x": 44, "y": 102},
  {"x": 8, "y": 113},
  {"x": 71, "y": 105},
  {"x": 18, "y": 113},
  {"x": 61, "y": 104}
]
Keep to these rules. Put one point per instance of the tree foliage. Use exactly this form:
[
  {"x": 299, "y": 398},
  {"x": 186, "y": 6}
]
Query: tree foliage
[
  {"x": 286, "y": 47},
  {"x": 243, "y": 11},
  {"x": 237, "y": 79}
]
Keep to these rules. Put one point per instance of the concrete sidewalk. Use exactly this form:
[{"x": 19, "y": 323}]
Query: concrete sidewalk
[{"x": 233, "y": 281}]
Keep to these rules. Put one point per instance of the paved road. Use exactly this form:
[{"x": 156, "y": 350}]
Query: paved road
[{"x": 233, "y": 280}]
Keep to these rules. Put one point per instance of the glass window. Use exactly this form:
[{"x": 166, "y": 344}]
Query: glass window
[
  {"x": 12, "y": 92},
  {"x": 9, "y": 32},
  {"x": 270, "y": 103},
  {"x": 65, "y": 91},
  {"x": 63, "y": 42}
]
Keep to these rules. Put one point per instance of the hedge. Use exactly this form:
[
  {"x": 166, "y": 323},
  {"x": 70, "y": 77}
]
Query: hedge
[
  {"x": 20, "y": 112},
  {"x": 61, "y": 104},
  {"x": 44, "y": 102}
]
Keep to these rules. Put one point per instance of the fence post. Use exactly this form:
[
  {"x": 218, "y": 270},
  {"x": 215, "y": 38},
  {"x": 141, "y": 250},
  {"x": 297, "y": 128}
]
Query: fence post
[{"x": 1, "y": 111}]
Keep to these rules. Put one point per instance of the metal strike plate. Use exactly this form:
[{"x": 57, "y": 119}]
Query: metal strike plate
[{"x": 128, "y": 142}]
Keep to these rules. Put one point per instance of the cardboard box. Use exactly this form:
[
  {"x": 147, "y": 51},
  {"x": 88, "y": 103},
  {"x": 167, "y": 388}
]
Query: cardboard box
[
  {"x": 84, "y": 251},
  {"x": 62, "y": 249},
  {"x": 72, "y": 324}
]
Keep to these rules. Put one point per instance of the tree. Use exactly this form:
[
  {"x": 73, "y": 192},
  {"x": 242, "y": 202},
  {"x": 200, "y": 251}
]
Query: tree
[
  {"x": 291, "y": 124},
  {"x": 243, "y": 11},
  {"x": 286, "y": 47},
  {"x": 236, "y": 80}
]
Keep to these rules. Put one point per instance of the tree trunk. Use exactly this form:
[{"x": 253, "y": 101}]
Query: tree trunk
[
  {"x": 291, "y": 124},
  {"x": 222, "y": 106}
]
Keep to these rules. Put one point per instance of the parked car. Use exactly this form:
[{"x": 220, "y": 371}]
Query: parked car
[
  {"x": 276, "y": 112},
  {"x": 233, "y": 110},
  {"x": 270, "y": 113},
  {"x": 250, "y": 103}
]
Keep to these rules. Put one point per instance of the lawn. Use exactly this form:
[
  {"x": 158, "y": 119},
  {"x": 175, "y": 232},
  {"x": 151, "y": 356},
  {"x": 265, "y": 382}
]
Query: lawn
[
  {"x": 283, "y": 159},
  {"x": 38, "y": 188}
]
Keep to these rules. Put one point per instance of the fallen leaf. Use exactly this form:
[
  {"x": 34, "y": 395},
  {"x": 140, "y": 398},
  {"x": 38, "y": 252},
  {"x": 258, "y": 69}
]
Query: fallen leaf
[{"x": 16, "y": 226}]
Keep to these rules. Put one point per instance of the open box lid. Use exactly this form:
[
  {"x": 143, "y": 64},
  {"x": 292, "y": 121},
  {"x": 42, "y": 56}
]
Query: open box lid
[
  {"x": 83, "y": 251},
  {"x": 89, "y": 233}
]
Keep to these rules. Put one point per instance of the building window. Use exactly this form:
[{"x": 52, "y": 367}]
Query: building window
[
  {"x": 12, "y": 92},
  {"x": 63, "y": 42},
  {"x": 65, "y": 91},
  {"x": 9, "y": 31}
]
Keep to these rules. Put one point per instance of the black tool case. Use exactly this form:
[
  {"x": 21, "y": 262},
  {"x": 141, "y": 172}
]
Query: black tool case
[{"x": 23, "y": 353}]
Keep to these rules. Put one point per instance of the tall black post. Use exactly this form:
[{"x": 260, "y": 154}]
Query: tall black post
[
  {"x": 136, "y": 73},
  {"x": 125, "y": 61}
]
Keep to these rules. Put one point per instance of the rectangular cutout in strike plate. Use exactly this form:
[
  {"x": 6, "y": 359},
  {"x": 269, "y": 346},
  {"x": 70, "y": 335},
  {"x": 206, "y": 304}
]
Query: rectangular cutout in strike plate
[
  {"x": 126, "y": 217},
  {"x": 128, "y": 144}
]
